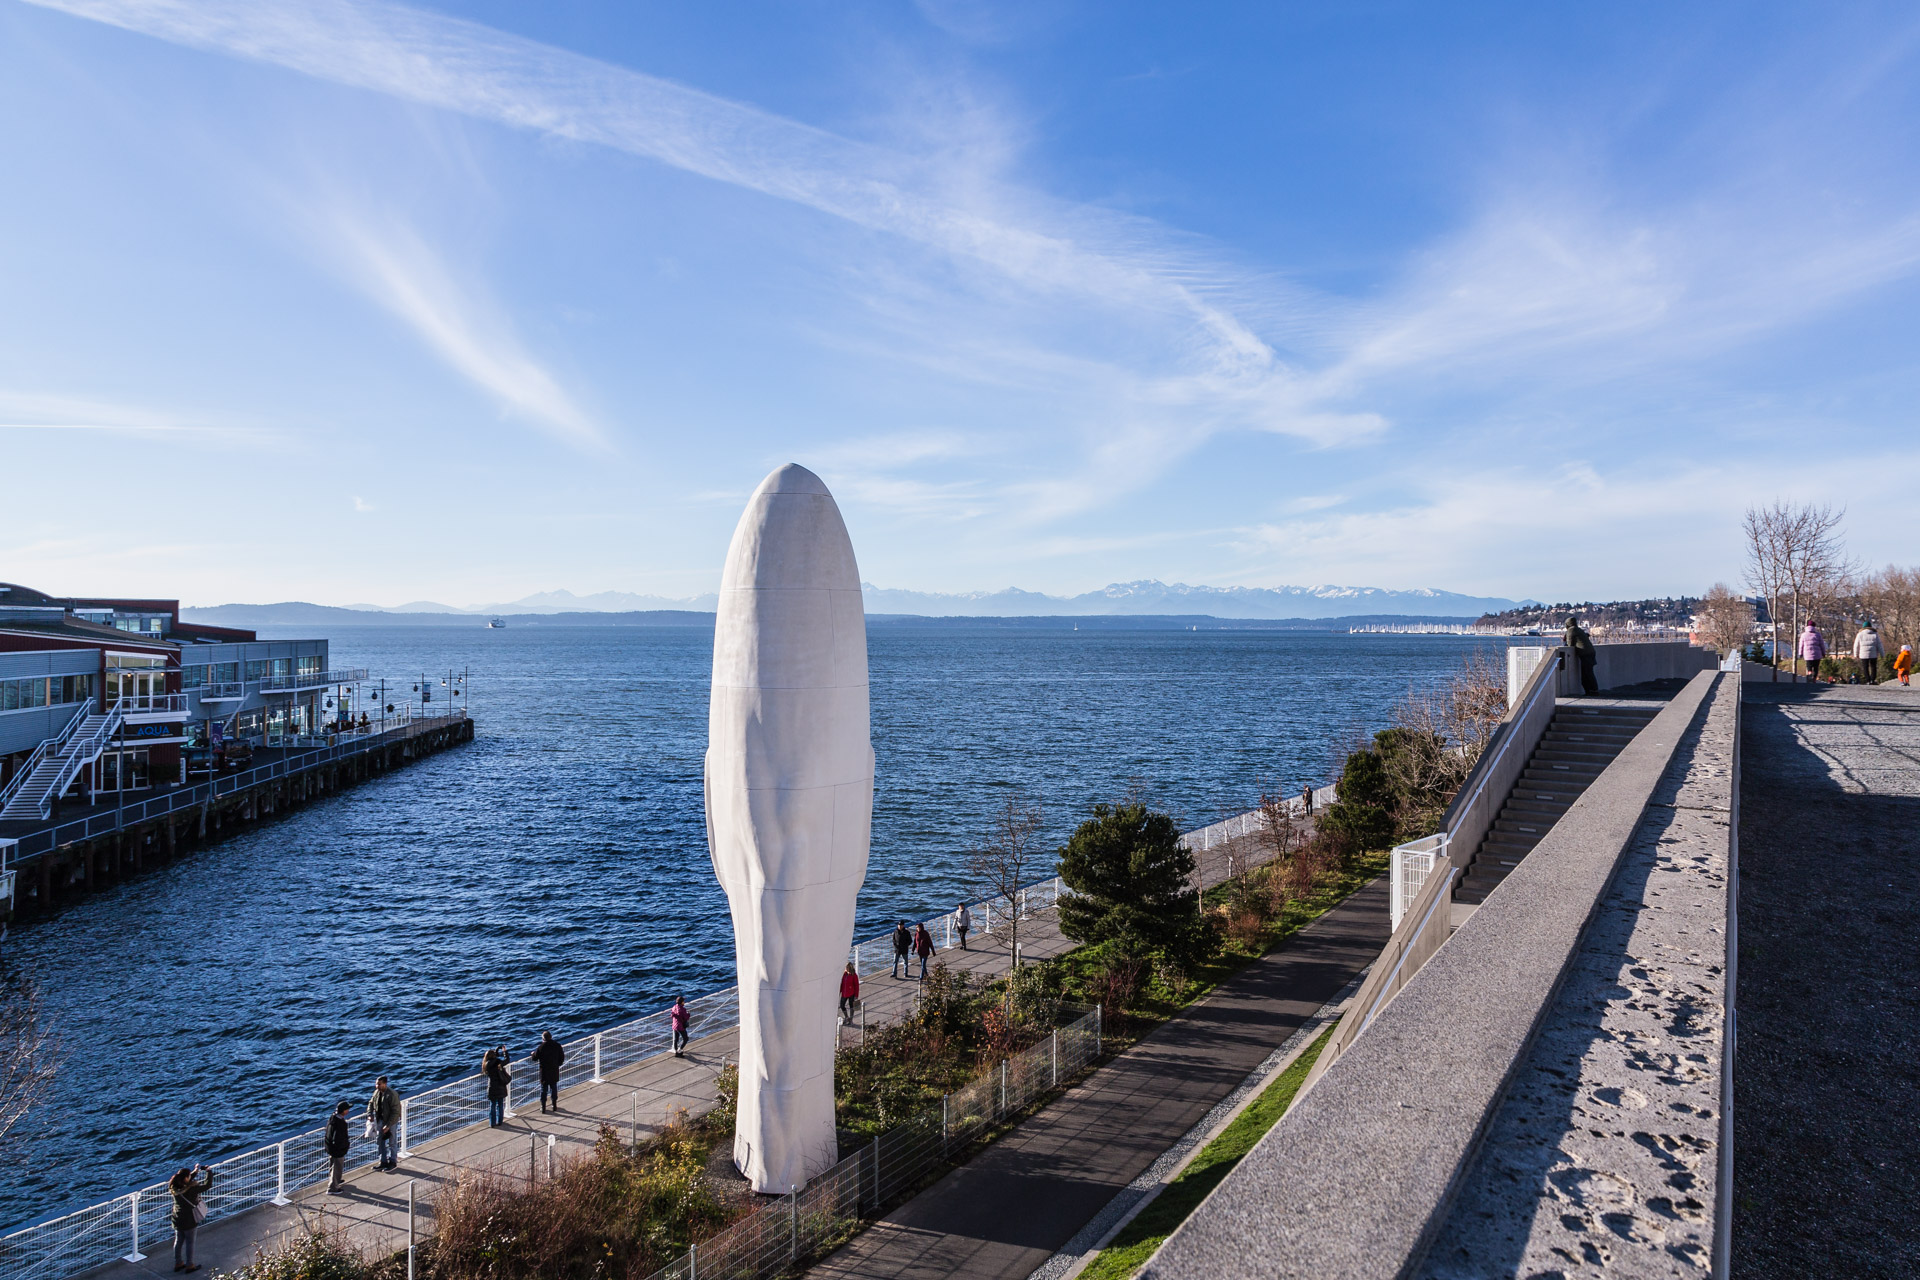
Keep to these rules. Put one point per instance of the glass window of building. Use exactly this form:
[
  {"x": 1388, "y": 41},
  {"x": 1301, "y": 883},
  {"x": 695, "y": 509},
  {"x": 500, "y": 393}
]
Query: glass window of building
[{"x": 257, "y": 670}]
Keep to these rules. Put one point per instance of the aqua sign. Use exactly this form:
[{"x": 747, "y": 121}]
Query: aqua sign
[{"x": 155, "y": 731}]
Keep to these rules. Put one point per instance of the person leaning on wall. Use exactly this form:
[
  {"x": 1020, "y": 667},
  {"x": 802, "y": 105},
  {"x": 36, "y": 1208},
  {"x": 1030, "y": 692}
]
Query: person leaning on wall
[{"x": 1582, "y": 646}]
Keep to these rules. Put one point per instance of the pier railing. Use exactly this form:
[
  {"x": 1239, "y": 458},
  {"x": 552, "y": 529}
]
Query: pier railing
[
  {"x": 192, "y": 797},
  {"x": 272, "y": 1173}
]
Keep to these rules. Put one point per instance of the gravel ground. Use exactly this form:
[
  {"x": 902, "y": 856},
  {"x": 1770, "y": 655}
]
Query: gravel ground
[{"x": 1827, "y": 1067}]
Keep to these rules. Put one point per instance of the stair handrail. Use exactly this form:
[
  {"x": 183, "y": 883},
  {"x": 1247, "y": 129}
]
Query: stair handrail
[
  {"x": 1543, "y": 685},
  {"x": 78, "y": 759},
  {"x": 56, "y": 743}
]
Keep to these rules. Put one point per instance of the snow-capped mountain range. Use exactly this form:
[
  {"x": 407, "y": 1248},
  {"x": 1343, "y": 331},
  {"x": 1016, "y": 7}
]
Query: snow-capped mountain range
[{"x": 1117, "y": 599}]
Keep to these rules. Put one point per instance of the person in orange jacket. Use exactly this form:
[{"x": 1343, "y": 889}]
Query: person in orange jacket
[
  {"x": 849, "y": 992},
  {"x": 1903, "y": 663}
]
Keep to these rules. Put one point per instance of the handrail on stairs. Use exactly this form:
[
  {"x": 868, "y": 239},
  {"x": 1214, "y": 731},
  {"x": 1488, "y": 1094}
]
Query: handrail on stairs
[{"x": 57, "y": 742}]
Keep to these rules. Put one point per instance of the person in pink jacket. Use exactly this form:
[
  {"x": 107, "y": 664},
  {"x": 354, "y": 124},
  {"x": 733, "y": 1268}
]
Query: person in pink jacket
[
  {"x": 679, "y": 1017},
  {"x": 1812, "y": 648}
]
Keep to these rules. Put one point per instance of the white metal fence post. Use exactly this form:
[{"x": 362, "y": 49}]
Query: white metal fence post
[
  {"x": 533, "y": 1158},
  {"x": 943, "y": 1120},
  {"x": 280, "y": 1175},
  {"x": 133, "y": 1212},
  {"x": 549, "y": 1157},
  {"x": 410, "y": 1231},
  {"x": 1097, "y": 1019},
  {"x": 1056, "y": 1057},
  {"x": 1003, "y": 1089},
  {"x": 405, "y": 1151},
  {"x": 793, "y": 1203},
  {"x": 597, "y": 1078}
]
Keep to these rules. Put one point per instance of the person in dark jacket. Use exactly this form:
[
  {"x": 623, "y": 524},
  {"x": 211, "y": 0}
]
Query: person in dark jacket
[
  {"x": 383, "y": 1108},
  {"x": 494, "y": 1068},
  {"x": 187, "y": 1213},
  {"x": 849, "y": 993},
  {"x": 337, "y": 1144},
  {"x": 922, "y": 946},
  {"x": 549, "y": 1055},
  {"x": 902, "y": 945},
  {"x": 1306, "y": 800},
  {"x": 1581, "y": 644},
  {"x": 679, "y": 1017}
]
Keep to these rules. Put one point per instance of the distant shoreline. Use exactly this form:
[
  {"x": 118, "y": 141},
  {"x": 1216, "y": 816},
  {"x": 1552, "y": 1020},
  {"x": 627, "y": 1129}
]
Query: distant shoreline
[{"x": 322, "y": 616}]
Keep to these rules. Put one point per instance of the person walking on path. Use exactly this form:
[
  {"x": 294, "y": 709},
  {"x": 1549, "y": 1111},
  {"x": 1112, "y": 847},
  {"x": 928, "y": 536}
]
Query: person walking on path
[
  {"x": 337, "y": 1144},
  {"x": 963, "y": 921},
  {"x": 1581, "y": 643},
  {"x": 499, "y": 1080},
  {"x": 902, "y": 944},
  {"x": 1866, "y": 651},
  {"x": 383, "y": 1113},
  {"x": 188, "y": 1213},
  {"x": 922, "y": 946},
  {"x": 549, "y": 1055},
  {"x": 679, "y": 1018},
  {"x": 1812, "y": 649},
  {"x": 849, "y": 993},
  {"x": 1306, "y": 800},
  {"x": 1903, "y": 663}
]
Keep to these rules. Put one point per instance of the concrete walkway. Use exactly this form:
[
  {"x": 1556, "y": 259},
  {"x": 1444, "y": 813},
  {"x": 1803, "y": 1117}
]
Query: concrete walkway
[
  {"x": 1008, "y": 1210},
  {"x": 1826, "y": 1109},
  {"x": 372, "y": 1210}
]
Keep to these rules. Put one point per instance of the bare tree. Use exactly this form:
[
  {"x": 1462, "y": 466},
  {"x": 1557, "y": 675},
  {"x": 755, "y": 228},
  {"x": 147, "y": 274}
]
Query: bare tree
[
  {"x": 1007, "y": 858},
  {"x": 1277, "y": 829},
  {"x": 1891, "y": 598},
  {"x": 28, "y": 1053},
  {"x": 1726, "y": 619},
  {"x": 1795, "y": 553}
]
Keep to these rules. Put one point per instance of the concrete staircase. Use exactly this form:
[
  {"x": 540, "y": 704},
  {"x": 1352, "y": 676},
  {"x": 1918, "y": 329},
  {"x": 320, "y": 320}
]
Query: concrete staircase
[{"x": 1580, "y": 743}]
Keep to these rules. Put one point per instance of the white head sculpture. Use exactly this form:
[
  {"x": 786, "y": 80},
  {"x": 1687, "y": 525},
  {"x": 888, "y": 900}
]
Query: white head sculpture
[{"x": 789, "y": 781}]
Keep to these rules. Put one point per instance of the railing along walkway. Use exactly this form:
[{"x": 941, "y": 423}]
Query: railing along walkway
[{"x": 620, "y": 1077}]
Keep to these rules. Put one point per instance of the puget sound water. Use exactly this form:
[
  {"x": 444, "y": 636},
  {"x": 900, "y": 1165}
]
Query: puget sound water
[{"x": 553, "y": 874}]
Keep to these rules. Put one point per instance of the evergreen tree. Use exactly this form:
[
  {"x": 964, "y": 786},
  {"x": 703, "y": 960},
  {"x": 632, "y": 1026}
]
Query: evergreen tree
[
  {"x": 1132, "y": 884},
  {"x": 1362, "y": 812}
]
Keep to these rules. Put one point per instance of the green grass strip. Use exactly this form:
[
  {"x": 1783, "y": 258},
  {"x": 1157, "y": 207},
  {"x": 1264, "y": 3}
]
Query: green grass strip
[{"x": 1139, "y": 1238}]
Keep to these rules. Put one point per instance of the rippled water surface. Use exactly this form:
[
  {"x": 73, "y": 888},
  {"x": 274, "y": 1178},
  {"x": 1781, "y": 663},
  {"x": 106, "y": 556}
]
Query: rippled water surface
[{"x": 554, "y": 872}]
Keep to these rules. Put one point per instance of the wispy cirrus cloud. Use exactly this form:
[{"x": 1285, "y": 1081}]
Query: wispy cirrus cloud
[{"x": 459, "y": 320}]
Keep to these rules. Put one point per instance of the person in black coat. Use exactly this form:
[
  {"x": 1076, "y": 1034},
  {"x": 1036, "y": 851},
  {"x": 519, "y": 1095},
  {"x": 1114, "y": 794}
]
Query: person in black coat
[
  {"x": 902, "y": 944},
  {"x": 337, "y": 1144},
  {"x": 549, "y": 1056},
  {"x": 499, "y": 1079}
]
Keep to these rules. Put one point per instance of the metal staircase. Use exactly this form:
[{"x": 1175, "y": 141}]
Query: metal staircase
[
  {"x": 53, "y": 766},
  {"x": 1578, "y": 746}
]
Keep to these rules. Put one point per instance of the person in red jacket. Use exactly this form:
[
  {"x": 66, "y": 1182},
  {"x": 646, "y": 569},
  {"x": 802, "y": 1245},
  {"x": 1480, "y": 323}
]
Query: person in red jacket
[{"x": 849, "y": 992}]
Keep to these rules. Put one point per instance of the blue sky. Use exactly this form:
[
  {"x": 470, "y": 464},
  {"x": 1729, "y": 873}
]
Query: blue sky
[{"x": 348, "y": 301}]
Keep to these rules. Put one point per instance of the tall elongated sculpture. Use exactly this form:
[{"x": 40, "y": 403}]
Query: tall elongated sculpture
[{"x": 789, "y": 809}]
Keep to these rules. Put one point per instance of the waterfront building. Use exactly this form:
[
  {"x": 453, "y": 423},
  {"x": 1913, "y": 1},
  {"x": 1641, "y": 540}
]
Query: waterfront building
[{"x": 167, "y": 697}]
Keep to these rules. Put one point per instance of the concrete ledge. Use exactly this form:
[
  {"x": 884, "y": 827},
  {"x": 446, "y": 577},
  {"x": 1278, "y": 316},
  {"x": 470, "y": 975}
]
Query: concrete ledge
[{"x": 1361, "y": 1174}]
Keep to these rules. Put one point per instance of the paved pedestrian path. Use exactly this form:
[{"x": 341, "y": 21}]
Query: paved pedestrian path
[
  {"x": 1826, "y": 1111},
  {"x": 1006, "y": 1212},
  {"x": 372, "y": 1211}
]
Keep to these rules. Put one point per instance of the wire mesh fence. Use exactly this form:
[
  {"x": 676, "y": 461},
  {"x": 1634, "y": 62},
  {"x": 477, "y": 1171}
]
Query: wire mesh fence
[{"x": 769, "y": 1241}]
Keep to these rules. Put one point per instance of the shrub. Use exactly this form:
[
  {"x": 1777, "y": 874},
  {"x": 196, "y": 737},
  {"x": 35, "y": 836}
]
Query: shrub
[{"x": 320, "y": 1256}]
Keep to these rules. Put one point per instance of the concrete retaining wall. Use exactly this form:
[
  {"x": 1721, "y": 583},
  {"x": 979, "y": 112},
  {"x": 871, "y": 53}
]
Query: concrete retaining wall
[
  {"x": 1616, "y": 666},
  {"x": 1361, "y": 1176}
]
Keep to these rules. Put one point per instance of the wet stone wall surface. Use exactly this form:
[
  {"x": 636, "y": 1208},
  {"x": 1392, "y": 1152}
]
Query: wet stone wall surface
[{"x": 1601, "y": 1159}]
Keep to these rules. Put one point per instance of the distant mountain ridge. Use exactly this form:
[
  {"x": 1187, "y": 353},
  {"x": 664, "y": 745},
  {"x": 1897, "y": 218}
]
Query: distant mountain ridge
[
  {"x": 1120, "y": 599},
  {"x": 1158, "y": 598}
]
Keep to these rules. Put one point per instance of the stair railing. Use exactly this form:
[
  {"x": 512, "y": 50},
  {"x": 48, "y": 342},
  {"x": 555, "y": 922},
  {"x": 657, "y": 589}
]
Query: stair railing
[
  {"x": 78, "y": 752},
  {"x": 51, "y": 745},
  {"x": 1474, "y": 807}
]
